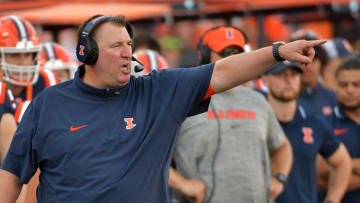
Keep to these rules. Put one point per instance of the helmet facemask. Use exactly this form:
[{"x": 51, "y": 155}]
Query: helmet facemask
[
  {"x": 21, "y": 75},
  {"x": 55, "y": 58}
]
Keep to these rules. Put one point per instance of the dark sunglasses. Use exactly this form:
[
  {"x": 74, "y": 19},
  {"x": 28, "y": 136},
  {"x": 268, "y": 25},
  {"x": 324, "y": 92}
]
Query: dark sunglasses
[{"x": 230, "y": 51}]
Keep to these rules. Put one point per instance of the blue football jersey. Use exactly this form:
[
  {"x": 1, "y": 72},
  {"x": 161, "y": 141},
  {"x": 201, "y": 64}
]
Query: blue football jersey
[{"x": 11, "y": 102}]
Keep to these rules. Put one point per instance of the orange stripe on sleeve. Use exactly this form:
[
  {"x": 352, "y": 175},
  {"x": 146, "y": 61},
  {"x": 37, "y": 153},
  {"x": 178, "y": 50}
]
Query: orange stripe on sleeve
[
  {"x": 209, "y": 93},
  {"x": 29, "y": 92},
  {"x": 56, "y": 79},
  {"x": 2, "y": 93},
  {"x": 46, "y": 78},
  {"x": 18, "y": 111}
]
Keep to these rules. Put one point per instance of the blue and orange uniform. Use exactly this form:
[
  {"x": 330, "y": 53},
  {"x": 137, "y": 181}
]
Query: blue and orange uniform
[
  {"x": 347, "y": 131},
  {"x": 12, "y": 102},
  {"x": 6, "y": 104},
  {"x": 308, "y": 135},
  {"x": 107, "y": 145}
]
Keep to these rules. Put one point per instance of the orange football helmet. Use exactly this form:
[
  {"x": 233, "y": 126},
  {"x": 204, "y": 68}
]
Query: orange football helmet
[
  {"x": 18, "y": 36},
  {"x": 152, "y": 60},
  {"x": 55, "y": 57}
]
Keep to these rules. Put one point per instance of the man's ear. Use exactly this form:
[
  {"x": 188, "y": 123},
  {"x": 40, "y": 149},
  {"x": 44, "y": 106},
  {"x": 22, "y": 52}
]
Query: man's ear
[{"x": 214, "y": 56}]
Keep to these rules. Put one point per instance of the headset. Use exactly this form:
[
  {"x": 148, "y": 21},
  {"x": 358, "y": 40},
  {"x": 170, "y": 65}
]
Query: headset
[
  {"x": 204, "y": 50},
  {"x": 87, "y": 50}
]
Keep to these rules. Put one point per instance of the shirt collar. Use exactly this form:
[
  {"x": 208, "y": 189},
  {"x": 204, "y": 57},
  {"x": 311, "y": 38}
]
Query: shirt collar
[
  {"x": 106, "y": 92},
  {"x": 300, "y": 114},
  {"x": 339, "y": 112}
]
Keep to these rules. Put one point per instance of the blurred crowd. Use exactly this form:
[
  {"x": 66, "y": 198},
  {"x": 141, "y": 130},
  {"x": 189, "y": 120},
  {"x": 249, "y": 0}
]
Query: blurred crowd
[{"x": 292, "y": 135}]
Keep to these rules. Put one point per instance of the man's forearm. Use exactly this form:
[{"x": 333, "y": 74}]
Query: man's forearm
[
  {"x": 237, "y": 69},
  {"x": 175, "y": 179},
  {"x": 10, "y": 187},
  {"x": 281, "y": 159},
  {"x": 336, "y": 186},
  {"x": 354, "y": 182},
  {"x": 355, "y": 164},
  {"x": 340, "y": 175}
]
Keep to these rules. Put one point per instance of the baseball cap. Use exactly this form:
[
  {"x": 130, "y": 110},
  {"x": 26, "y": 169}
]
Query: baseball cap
[
  {"x": 338, "y": 47},
  {"x": 282, "y": 66},
  {"x": 222, "y": 37}
]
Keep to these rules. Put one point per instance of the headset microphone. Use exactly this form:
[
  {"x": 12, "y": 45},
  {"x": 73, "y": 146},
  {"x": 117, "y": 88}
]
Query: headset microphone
[{"x": 137, "y": 65}]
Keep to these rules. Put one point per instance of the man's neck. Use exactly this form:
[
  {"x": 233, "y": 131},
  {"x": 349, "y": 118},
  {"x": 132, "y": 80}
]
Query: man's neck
[
  {"x": 310, "y": 85},
  {"x": 15, "y": 89},
  {"x": 354, "y": 115},
  {"x": 91, "y": 78},
  {"x": 284, "y": 111}
]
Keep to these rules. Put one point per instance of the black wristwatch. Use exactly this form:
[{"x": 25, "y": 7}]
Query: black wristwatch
[
  {"x": 276, "y": 51},
  {"x": 281, "y": 178},
  {"x": 328, "y": 201}
]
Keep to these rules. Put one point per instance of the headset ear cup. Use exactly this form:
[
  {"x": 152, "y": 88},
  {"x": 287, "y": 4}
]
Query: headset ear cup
[
  {"x": 205, "y": 54},
  {"x": 81, "y": 50},
  {"x": 93, "y": 52}
]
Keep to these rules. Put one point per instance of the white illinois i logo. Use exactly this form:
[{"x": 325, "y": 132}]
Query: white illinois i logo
[{"x": 129, "y": 123}]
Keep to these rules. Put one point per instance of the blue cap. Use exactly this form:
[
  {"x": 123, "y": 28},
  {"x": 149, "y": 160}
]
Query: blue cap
[{"x": 282, "y": 66}]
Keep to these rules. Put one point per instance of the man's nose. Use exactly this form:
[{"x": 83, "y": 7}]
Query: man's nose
[
  {"x": 127, "y": 52},
  {"x": 350, "y": 89},
  {"x": 25, "y": 59}
]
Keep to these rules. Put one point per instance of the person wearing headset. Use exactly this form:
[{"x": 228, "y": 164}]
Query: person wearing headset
[
  {"x": 237, "y": 148},
  {"x": 106, "y": 136}
]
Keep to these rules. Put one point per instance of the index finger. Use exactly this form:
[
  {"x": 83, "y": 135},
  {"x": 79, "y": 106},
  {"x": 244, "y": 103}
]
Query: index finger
[{"x": 314, "y": 43}]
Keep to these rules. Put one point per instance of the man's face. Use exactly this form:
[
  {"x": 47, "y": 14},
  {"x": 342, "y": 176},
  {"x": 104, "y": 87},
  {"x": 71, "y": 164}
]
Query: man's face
[
  {"x": 311, "y": 73},
  {"x": 20, "y": 60},
  {"x": 115, "y": 52},
  {"x": 348, "y": 88},
  {"x": 284, "y": 86}
]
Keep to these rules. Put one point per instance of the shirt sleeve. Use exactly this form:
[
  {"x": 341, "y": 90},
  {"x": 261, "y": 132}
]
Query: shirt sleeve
[
  {"x": 330, "y": 143},
  {"x": 275, "y": 132},
  {"x": 185, "y": 90},
  {"x": 21, "y": 157}
]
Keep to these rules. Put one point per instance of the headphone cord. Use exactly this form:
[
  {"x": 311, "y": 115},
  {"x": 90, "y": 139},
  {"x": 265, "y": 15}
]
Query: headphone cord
[{"x": 217, "y": 148}]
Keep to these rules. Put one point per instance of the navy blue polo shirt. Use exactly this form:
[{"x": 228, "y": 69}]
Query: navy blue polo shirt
[
  {"x": 318, "y": 100},
  {"x": 308, "y": 135},
  {"x": 106, "y": 145},
  {"x": 348, "y": 132}
]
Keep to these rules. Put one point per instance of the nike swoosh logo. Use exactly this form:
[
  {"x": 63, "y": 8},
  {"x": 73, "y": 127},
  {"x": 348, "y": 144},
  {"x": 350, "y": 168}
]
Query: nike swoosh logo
[
  {"x": 72, "y": 129},
  {"x": 340, "y": 131}
]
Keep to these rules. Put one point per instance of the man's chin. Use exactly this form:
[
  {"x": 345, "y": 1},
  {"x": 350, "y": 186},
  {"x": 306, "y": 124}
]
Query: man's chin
[
  {"x": 350, "y": 107},
  {"x": 124, "y": 80}
]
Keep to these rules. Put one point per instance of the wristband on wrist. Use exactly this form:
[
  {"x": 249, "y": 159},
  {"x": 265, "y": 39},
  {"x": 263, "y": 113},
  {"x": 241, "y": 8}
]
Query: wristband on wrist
[
  {"x": 281, "y": 178},
  {"x": 275, "y": 49}
]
